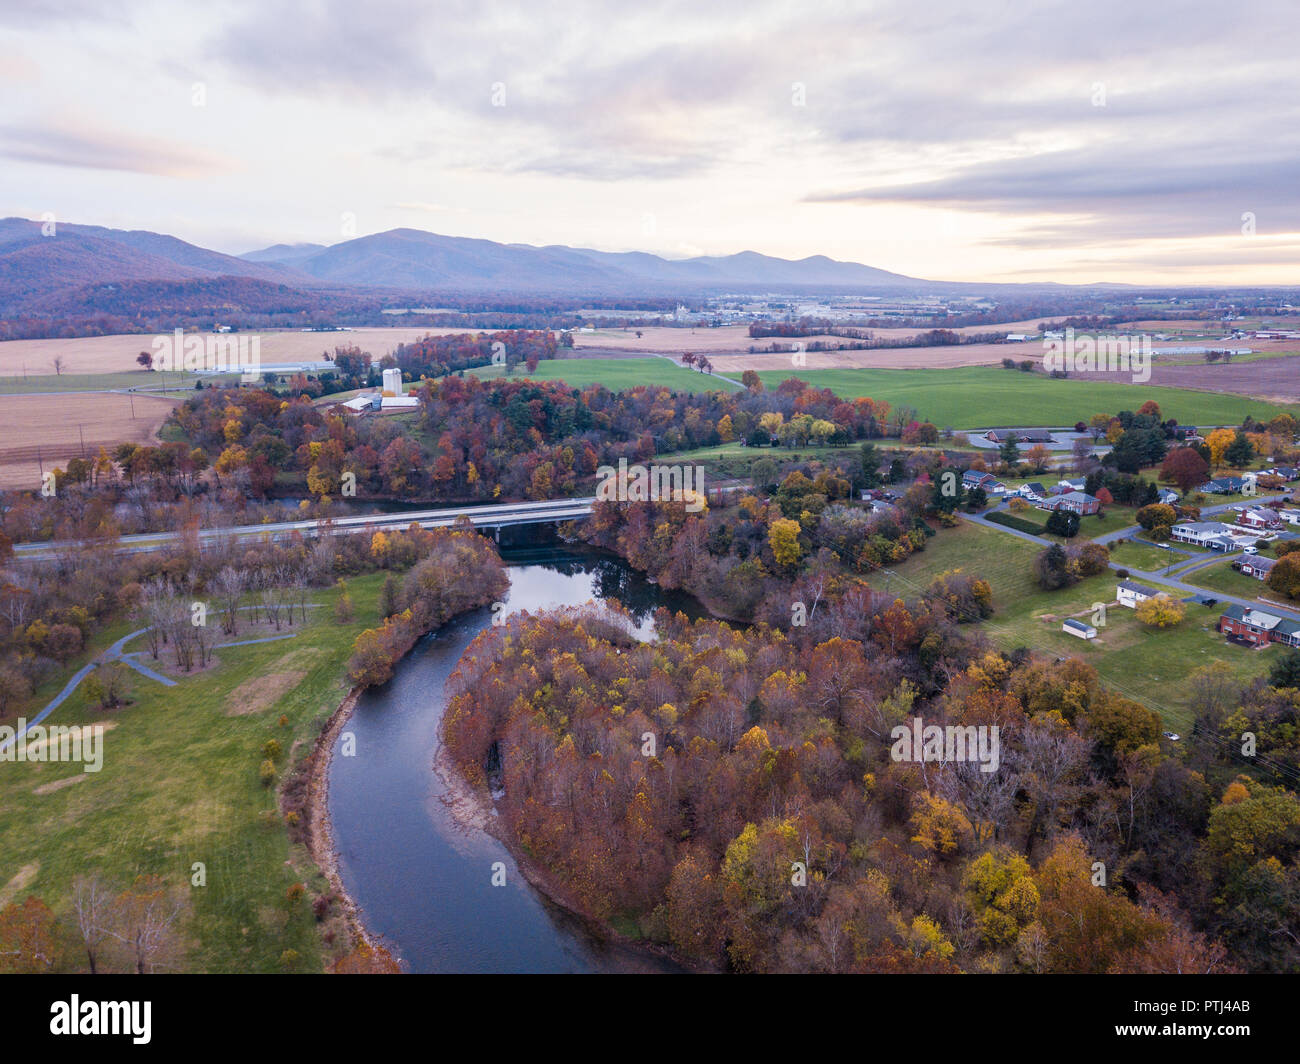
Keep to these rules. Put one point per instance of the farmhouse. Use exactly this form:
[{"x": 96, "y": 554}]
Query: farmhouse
[
  {"x": 1078, "y": 628},
  {"x": 1076, "y": 502},
  {"x": 1019, "y": 435},
  {"x": 1258, "y": 628},
  {"x": 1255, "y": 565},
  {"x": 1129, "y": 593}
]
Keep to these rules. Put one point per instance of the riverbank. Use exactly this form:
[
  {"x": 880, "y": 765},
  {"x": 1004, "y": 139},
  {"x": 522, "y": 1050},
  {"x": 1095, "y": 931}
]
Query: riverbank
[
  {"x": 317, "y": 830},
  {"x": 472, "y": 807}
]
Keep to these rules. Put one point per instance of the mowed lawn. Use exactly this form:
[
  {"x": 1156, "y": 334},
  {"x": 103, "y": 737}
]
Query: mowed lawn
[
  {"x": 1147, "y": 665},
  {"x": 982, "y": 396},
  {"x": 1138, "y": 554},
  {"x": 1223, "y": 577},
  {"x": 617, "y": 374},
  {"x": 179, "y": 785}
]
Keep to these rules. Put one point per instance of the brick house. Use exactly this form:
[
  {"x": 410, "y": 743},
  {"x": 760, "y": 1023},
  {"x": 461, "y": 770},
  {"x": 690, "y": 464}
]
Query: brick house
[
  {"x": 1258, "y": 628},
  {"x": 1077, "y": 502}
]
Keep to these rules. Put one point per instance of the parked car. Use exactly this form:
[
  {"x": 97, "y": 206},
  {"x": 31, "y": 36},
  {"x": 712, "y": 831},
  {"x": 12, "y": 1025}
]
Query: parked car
[
  {"x": 1173, "y": 737},
  {"x": 1250, "y": 550}
]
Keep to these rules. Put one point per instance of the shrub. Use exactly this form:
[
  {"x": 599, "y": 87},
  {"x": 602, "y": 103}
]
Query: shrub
[
  {"x": 1010, "y": 521},
  {"x": 1161, "y": 533},
  {"x": 266, "y": 773},
  {"x": 271, "y": 751},
  {"x": 295, "y": 891}
]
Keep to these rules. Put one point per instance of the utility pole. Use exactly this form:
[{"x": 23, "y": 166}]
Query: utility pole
[
  {"x": 131, "y": 396},
  {"x": 83, "y": 440}
]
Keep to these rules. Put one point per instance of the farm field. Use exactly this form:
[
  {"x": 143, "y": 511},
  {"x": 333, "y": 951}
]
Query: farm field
[
  {"x": 179, "y": 784},
  {"x": 46, "y": 430},
  {"x": 1150, "y": 666},
  {"x": 117, "y": 354},
  {"x": 617, "y": 373},
  {"x": 144, "y": 380},
  {"x": 976, "y": 397}
]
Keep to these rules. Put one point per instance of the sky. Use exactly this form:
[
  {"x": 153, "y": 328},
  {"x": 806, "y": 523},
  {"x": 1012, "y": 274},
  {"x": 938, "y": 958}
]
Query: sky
[{"x": 1108, "y": 141}]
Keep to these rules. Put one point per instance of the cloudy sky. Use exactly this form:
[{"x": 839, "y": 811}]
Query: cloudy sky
[{"x": 1106, "y": 141}]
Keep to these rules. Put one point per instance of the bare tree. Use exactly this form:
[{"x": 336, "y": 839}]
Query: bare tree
[
  {"x": 229, "y": 586},
  {"x": 148, "y": 915},
  {"x": 93, "y": 909}
]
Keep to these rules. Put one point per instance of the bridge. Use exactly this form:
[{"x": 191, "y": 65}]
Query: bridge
[{"x": 495, "y": 516}]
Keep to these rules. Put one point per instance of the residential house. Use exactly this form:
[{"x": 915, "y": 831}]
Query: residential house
[
  {"x": 1255, "y": 565},
  {"x": 1286, "y": 472},
  {"x": 1076, "y": 502},
  {"x": 1078, "y": 628},
  {"x": 1033, "y": 491},
  {"x": 1258, "y": 627},
  {"x": 1075, "y": 484},
  {"x": 973, "y": 479},
  {"x": 1223, "y": 486},
  {"x": 1256, "y": 518},
  {"x": 1212, "y": 534},
  {"x": 1129, "y": 593},
  {"x": 1168, "y": 496}
]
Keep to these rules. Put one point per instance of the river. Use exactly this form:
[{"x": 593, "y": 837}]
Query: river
[{"x": 421, "y": 878}]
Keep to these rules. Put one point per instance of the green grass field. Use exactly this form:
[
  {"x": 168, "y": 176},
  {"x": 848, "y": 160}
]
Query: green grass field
[
  {"x": 1150, "y": 666},
  {"x": 1223, "y": 577},
  {"x": 617, "y": 374},
  {"x": 981, "y": 396},
  {"x": 147, "y": 382},
  {"x": 1093, "y": 525},
  {"x": 179, "y": 784},
  {"x": 1135, "y": 554}
]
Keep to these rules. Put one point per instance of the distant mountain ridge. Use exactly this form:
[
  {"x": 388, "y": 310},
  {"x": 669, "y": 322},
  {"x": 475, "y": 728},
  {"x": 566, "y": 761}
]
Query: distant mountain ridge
[{"x": 413, "y": 258}]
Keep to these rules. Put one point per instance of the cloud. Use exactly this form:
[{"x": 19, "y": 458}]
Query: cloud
[{"x": 70, "y": 144}]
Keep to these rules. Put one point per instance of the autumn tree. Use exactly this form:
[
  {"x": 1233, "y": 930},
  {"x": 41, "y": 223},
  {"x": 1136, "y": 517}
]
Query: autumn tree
[
  {"x": 1161, "y": 611},
  {"x": 1185, "y": 467}
]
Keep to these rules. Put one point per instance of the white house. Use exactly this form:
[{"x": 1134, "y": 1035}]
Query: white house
[
  {"x": 1130, "y": 594},
  {"x": 1078, "y": 628},
  {"x": 1213, "y": 534}
]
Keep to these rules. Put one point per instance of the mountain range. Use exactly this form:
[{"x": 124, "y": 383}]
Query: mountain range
[{"x": 50, "y": 270}]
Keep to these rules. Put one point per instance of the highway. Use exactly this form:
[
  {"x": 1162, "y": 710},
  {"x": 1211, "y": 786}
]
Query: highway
[{"x": 494, "y": 516}]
